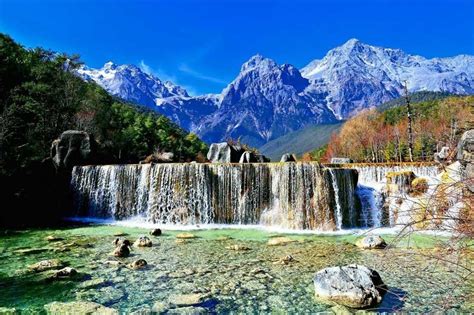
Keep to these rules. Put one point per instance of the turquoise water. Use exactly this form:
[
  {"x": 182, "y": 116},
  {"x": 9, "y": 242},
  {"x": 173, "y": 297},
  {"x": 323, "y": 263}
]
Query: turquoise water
[{"x": 249, "y": 281}]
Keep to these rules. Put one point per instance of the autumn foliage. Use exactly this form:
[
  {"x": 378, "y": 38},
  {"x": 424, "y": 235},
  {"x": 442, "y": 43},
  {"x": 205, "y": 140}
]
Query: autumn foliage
[{"x": 374, "y": 136}]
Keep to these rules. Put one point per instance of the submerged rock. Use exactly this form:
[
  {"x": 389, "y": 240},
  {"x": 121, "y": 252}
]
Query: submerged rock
[
  {"x": 160, "y": 307},
  {"x": 105, "y": 295},
  {"x": 353, "y": 285},
  {"x": 155, "y": 232},
  {"x": 138, "y": 264},
  {"x": 143, "y": 241},
  {"x": 46, "y": 265},
  {"x": 371, "y": 242},
  {"x": 189, "y": 310},
  {"x": 187, "y": 299},
  {"x": 122, "y": 251},
  {"x": 185, "y": 236},
  {"x": 9, "y": 311},
  {"x": 275, "y": 241},
  {"x": 285, "y": 260},
  {"x": 119, "y": 241},
  {"x": 31, "y": 251},
  {"x": 223, "y": 238},
  {"x": 120, "y": 234},
  {"x": 52, "y": 238},
  {"x": 79, "y": 307},
  {"x": 66, "y": 272},
  {"x": 113, "y": 263},
  {"x": 238, "y": 247},
  {"x": 93, "y": 283},
  {"x": 341, "y": 310}
]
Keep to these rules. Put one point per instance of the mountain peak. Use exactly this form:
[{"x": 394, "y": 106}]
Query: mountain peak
[
  {"x": 109, "y": 65},
  {"x": 352, "y": 42},
  {"x": 257, "y": 61}
]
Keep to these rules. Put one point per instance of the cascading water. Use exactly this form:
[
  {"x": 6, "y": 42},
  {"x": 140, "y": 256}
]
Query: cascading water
[
  {"x": 285, "y": 195},
  {"x": 336, "y": 197},
  {"x": 371, "y": 190}
]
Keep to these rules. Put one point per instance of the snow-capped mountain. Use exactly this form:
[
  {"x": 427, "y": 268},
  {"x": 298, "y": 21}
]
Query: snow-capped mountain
[
  {"x": 357, "y": 76},
  {"x": 267, "y": 100},
  {"x": 132, "y": 84}
]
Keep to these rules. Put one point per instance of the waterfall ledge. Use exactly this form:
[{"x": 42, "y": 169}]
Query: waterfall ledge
[{"x": 302, "y": 196}]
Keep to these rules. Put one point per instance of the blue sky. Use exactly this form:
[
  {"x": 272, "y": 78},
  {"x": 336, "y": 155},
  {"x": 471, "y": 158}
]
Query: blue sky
[{"x": 202, "y": 44}]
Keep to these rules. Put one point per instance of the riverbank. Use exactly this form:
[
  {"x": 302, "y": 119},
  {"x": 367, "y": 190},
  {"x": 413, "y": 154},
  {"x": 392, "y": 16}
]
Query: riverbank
[{"x": 254, "y": 278}]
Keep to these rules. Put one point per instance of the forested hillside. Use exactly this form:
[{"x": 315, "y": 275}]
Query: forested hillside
[
  {"x": 375, "y": 136},
  {"x": 40, "y": 97},
  {"x": 416, "y": 97}
]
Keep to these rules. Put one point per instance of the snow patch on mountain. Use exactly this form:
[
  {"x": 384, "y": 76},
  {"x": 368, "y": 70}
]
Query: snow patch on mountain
[
  {"x": 267, "y": 100},
  {"x": 132, "y": 84},
  {"x": 357, "y": 76}
]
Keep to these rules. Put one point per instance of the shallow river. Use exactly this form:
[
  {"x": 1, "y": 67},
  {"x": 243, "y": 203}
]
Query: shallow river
[{"x": 245, "y": 281}]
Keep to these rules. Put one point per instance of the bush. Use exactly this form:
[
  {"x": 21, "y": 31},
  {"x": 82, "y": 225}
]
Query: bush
[{"x": 419, "y": 186}]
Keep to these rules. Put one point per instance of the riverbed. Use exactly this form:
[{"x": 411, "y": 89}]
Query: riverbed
[{"x": 254, "y": 279}]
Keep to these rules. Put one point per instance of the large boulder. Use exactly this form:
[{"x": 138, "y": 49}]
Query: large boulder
[
  {"x": 371, "y": 242},
  {"x": 122, "y": 250},
  {"x": 143, "y": 241},
  {"x": 225, "y": 153},
  {"x": 465, "y": 155},
  {"x": 72, "y": 148},
  {"x": 353, "y": 286},
  {"x": 287, "y": 157},
  {"x": 252, "y": 157}
]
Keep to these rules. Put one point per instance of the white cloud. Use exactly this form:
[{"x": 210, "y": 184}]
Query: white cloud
[
  {"x": 188, "y": 70},
  {"x": 162, "y": 75}
]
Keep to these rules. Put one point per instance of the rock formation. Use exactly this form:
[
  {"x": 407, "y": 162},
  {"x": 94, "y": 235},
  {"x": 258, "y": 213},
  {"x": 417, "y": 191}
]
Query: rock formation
[
  {"x": 353, "y": 285},
  {"x": 225, "y": 153},
  {"x": 287, "y": 157},
  {"x": 72, "y": 148},
  {"x": 465, "y": 155},
  {"x": 371, "y": 242}
]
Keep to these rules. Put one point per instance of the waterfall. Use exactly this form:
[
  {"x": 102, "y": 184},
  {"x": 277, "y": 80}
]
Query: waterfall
[
  {"x": 286, "y": 195},
  {"x": 336, "y": 197},
  {"x": 370, "y": 174},
  {"x": 371, "y": 190}
]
